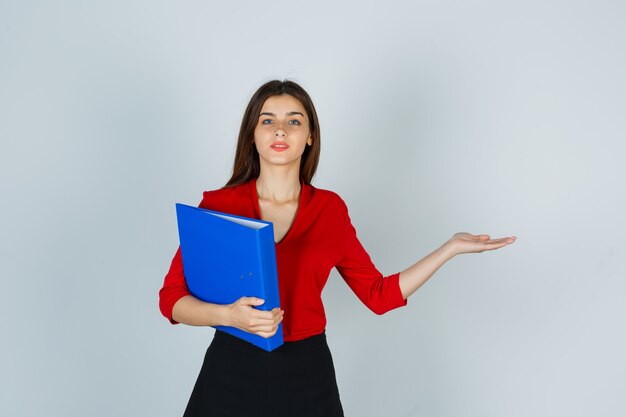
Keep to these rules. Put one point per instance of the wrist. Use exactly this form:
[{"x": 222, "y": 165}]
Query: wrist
[
  {"x": 217, "y": 315},
  {"x": 224, "y": 315},
  {"x": 448, "y": 250}
]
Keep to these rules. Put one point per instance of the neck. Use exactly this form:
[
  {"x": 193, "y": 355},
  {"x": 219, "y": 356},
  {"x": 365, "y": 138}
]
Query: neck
[{"x": 279, "y": 185}]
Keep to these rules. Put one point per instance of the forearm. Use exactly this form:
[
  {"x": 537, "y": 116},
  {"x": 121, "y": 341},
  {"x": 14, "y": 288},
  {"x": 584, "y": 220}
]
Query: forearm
[
  {"x": 194, "y": 312},
  {"x": 416, "y": 275}
]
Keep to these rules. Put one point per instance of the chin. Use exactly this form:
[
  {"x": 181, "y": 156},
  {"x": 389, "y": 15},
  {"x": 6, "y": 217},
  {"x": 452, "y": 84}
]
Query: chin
[{"x": 281, "y": 162}]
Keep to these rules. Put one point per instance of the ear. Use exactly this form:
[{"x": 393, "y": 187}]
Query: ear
[{"x": 309, "y": 141}]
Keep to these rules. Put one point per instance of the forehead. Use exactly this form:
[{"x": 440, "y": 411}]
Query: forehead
[{"x": 282, "y": 104}]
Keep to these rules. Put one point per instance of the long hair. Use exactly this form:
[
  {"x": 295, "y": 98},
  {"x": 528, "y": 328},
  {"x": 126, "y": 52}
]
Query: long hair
[{"x": 247, "y": 165}]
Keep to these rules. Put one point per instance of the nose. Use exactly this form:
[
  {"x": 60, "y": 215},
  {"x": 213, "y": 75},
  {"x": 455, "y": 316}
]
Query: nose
[{"x": 280, "y": 133}]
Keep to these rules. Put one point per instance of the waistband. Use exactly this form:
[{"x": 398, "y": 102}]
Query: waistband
[{"x": 233, "y": 342}]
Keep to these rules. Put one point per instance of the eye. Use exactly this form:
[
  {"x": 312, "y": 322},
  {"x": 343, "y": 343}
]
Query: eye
[
  {"x": 266, "y": 121},
  {"x": 295, "y": 122}
]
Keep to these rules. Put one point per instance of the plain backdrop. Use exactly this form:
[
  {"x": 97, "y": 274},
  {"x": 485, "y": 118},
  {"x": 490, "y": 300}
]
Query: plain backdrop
[{"x": 497, "y": 117}]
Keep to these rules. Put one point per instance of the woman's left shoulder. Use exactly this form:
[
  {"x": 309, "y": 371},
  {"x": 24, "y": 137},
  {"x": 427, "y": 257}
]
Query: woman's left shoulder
[{"x": 328, "y": 197}]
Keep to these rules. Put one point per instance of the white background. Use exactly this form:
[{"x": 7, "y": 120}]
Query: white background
[{"x": 496, "y": 117}]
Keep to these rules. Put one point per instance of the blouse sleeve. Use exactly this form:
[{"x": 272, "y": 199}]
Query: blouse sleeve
[
  {"x": 174, "y": 287},
  {"x": 380, "y": 294}
]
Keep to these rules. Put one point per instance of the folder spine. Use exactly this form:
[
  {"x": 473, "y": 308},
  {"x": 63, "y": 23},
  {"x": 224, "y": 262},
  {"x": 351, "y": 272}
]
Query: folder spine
[
  {"x": 266, "y": 246},
  {"x": 268, "y": 268},
  {"x": 261, "y": 269}
]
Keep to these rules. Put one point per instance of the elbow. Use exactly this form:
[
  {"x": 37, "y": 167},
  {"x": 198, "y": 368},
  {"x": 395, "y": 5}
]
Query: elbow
[
  {"x": 377, "y": 309},
  {"x": 165, "y": 307},
  {"x": 380, "y": 310},
  {"x": 377, "y": 300},
  {"x": 167, "y": 299},
  {"x": 380, "y": 306}
]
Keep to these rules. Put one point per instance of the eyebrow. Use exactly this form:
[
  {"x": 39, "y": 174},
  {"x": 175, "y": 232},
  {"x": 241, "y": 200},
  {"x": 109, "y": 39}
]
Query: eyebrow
[{"x": 291, "y": 113}]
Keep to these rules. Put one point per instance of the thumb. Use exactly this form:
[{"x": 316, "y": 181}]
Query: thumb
[{"x": 253, "y": 301}]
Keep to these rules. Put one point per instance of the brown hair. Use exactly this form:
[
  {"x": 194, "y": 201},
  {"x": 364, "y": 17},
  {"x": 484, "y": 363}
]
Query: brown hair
[{"x": 247, "y": 165}]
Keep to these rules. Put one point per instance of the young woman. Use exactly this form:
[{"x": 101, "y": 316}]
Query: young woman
[{"x": 276, "y": 158}]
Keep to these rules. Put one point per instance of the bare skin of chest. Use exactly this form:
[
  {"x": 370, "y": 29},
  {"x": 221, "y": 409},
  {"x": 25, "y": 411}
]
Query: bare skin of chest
[{"x": 281, "y": 215}]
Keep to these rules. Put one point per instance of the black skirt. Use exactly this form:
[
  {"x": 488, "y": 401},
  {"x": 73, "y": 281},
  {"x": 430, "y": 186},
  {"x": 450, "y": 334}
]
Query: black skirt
[{"x": 239, "y": 379}]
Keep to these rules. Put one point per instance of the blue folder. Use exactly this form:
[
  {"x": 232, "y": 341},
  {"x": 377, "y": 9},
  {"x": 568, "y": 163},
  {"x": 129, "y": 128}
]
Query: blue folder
[{"x": 226, "y": 257}]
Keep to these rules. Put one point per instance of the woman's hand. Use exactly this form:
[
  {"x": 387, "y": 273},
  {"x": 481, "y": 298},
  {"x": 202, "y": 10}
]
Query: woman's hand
[
  {"x": 467, "y": 243},
  {"x": 416, "y": 275},
  {"x": 243, "y": 316}
]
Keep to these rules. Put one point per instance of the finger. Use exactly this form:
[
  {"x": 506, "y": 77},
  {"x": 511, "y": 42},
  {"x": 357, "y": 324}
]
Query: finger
[
  {"x": 277, "y": 318},
  {"x": 496, "y": 245},
  {"x": 502, "y": 239},
  {"x": 266, "y": 334},
  {"x": 252, "y": 301},
  {"x": 261, "y": 325},
  {"x": 476, "y": 238},
  {"x": 263, "y": 316},
  {"x": 266, "y": 328}
]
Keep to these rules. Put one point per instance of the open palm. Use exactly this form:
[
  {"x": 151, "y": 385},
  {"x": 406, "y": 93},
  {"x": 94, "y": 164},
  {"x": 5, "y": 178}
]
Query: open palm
[{"x": 463, "y": 242}]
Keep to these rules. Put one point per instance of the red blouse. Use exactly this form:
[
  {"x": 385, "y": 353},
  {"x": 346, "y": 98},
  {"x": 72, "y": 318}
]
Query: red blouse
[{"x": 321, "y": 237}]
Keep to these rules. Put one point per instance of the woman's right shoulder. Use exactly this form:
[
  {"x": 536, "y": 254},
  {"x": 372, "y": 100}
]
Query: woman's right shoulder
[{"x": 222, "y": 196}]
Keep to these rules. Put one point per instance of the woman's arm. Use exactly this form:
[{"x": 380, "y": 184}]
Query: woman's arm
[
  {"x": 416, "y": 275},
  {"x": 241, "y": 314},
  {"x": 194, "y": 312}
]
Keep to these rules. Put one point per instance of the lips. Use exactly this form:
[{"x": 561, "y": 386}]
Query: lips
[{"x": 279, "y": 146}]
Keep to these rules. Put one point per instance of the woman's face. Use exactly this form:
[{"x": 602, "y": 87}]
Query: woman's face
[{"x": 282, "y": 131}]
